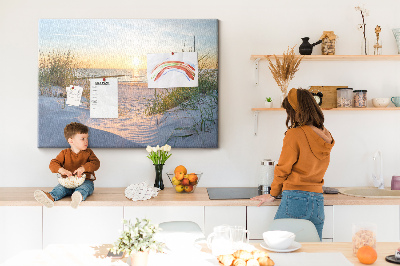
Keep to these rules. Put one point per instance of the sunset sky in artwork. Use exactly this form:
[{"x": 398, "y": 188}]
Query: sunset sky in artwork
[{"x": 125, "y": 43}]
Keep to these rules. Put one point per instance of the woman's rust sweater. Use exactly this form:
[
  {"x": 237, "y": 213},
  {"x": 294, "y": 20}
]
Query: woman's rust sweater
[{"x": 303, "y": 161}]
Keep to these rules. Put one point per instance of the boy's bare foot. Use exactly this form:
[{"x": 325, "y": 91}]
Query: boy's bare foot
[
  {"x": 76, "y": 199},
  {"x": 44, "y": 198}
]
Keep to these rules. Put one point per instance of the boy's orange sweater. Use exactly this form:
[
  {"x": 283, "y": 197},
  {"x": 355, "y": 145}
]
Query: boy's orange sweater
[
  {"x": 303, "y": 161},
  {"x": 71, "y": 161}
]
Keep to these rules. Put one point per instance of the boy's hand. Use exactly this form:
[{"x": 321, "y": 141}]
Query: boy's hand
[
  {"x": 80, "y": 171},
  {"x": 263, "y": 198},
  {"x": 63, "y": 171}
]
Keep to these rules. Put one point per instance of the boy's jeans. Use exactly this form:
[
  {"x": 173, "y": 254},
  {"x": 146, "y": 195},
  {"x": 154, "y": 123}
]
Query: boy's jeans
[
  {"x": 306, "y": 205},
  {"x": 86, "y": 189}
]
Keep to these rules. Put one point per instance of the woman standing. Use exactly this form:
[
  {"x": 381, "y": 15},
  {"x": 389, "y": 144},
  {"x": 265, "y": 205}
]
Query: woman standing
[{"x": 305, "y": 156}]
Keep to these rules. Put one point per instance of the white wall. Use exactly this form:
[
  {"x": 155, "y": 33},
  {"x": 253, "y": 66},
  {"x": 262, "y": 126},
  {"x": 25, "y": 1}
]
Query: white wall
[{"x": 246, "y": 27}]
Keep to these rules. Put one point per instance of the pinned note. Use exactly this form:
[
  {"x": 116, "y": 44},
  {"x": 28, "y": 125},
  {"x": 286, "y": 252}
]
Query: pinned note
[
  {"x": 74, "y": 95},
  {"x": 104, "y": 98}
]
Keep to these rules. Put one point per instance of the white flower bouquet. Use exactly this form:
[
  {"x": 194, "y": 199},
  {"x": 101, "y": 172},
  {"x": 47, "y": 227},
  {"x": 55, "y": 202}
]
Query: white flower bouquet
[
  {"x": 137, "y": 237},
  {"x": 159, "y": 155}
]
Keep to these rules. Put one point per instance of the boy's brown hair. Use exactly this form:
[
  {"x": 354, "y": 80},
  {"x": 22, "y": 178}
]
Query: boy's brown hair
[
  {"x": 74, "y": 128},
  {"x": 308, "y": 113}
]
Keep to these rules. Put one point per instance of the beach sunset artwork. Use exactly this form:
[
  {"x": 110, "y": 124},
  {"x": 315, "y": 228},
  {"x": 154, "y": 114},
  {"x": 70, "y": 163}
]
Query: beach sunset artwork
[{"x": 167, "y": 74}]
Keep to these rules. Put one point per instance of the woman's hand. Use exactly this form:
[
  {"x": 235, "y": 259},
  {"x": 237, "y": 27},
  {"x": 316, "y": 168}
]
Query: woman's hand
[{"x": 263, "y": 198}]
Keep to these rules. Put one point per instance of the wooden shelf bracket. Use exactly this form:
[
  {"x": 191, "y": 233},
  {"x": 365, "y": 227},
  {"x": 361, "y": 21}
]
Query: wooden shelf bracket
[{"x": 256, "y": 66}]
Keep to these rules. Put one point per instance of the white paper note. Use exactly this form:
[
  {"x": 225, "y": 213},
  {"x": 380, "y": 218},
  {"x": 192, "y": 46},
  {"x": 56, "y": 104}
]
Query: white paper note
[
  {"x": 104, "y": 98},
  {"x": 74, "y": 95},
  {"x": 172, "y": 70}
]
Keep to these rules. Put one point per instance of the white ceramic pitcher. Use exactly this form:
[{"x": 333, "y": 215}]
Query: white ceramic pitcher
[{"x": 220, "y": 240}]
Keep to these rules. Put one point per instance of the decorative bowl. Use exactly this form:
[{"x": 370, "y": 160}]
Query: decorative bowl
[
  {"x": 185, "y": 184},
  {"x": 380, "y": 102},
  {"x": 72, "y": 181},
  {"x": 279, "y": 239}
]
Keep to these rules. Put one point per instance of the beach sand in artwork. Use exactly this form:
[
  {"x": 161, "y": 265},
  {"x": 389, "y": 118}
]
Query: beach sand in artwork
[{"x": 133, "y": 129}]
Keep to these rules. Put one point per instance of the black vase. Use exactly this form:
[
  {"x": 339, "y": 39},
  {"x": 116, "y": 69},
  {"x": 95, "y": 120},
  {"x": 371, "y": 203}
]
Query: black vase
[
  {"x": 159, "y": 181},
  {"x": 306, "y": 48}
]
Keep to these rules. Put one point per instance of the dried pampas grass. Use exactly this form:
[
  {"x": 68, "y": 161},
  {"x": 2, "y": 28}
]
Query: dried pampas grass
[{"x": 283, "y": 71}]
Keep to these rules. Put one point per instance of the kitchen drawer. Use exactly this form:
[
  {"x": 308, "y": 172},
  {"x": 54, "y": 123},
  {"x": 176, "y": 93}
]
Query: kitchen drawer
[
  {"x": 159, "y": 214},
  {"x": 218, "y": 215},
  {"x": 259, "y": 219}
]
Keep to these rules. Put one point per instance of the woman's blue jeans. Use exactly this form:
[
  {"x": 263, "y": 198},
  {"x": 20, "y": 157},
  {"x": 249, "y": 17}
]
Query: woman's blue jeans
[
  {"x": 306, "y": 205},
  {"x": 86, "y": 189}
]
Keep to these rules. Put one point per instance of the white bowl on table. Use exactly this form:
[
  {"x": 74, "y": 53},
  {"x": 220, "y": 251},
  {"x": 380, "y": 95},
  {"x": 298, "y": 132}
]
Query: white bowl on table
[
  {"x": 380, "y": 102},
  {"x": 279, "y": 239}
]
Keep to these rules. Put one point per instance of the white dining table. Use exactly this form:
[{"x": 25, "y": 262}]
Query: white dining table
[{"x": 96, "y": 255}]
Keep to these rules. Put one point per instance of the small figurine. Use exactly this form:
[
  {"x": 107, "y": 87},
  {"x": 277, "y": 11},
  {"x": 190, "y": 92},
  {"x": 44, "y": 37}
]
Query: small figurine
[{"x": 378, "y": 45}]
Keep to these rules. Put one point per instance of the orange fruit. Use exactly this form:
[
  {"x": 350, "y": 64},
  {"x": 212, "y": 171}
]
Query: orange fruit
[
  {"x": 180, "y": 169},
  {"x": 367, "y": 255},
  {"x": 193, "y": 178}
]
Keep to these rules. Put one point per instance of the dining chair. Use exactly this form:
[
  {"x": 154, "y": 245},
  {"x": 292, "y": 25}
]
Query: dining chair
[
  {"x": 182, "y": 227},
  {"x": 304, "y": 230}
]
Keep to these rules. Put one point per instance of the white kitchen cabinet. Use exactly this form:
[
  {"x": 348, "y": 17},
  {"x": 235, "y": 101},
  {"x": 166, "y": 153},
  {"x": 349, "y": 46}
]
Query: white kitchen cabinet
[
  {"x": 85, "y": 225},
  {"x": 386, "y": 217},
  {"x": 159, "y": 214},
  {"x": 218, "y": 215},
  {"x": 259, "y": 219},
  {"x": 20, "y": 229}
]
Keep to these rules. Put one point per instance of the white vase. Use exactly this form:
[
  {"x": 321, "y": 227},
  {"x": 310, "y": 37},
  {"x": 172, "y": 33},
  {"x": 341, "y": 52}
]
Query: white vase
[
  {"x": 139, "y": 258},
  {"x": 268, "y": 104}
]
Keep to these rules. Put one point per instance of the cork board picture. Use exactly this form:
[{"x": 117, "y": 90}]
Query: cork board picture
[{"x": 94, "y": 71}]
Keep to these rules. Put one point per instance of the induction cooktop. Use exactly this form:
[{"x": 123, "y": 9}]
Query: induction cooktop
[{"x": 225, "y": 193}]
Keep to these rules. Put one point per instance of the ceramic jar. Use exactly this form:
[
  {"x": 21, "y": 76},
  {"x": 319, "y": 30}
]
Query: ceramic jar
[{"x": 395, "y": 185}]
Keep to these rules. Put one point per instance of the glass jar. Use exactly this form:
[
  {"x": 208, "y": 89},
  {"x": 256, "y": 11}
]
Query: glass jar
[
  {"x": 266, "y": 176},
  {"x": 344, "y": 97},
  {"x": 364, "y": 234},
  {"x": 360, "y": 98}
]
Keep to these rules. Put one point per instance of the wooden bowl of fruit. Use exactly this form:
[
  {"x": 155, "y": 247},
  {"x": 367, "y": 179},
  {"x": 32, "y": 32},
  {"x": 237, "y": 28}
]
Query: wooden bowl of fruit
[{"x": 182, "y": 181}]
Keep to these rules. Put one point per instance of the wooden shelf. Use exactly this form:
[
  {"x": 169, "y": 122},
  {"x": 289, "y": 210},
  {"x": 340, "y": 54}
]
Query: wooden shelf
[
  {"x": 257, "y": 110},
  {"x": 332, "y": 109},
  {"x": 336, "y": 57}
]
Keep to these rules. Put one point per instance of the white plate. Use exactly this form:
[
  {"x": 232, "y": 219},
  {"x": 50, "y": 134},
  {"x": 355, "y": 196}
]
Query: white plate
[{"x": 293, "y": 247}]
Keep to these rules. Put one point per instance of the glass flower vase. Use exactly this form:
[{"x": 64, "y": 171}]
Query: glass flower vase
[
  {"x": 364, "y": 46},
  {"x": 284, "y": 93},
  {"x": 159, "y": 181}
]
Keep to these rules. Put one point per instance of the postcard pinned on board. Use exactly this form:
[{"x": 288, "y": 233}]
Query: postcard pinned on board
[
  {"x": 74, "y": 95},
  {"x": 167, "y": 70},
  {"x": 104, "y": 98}
]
